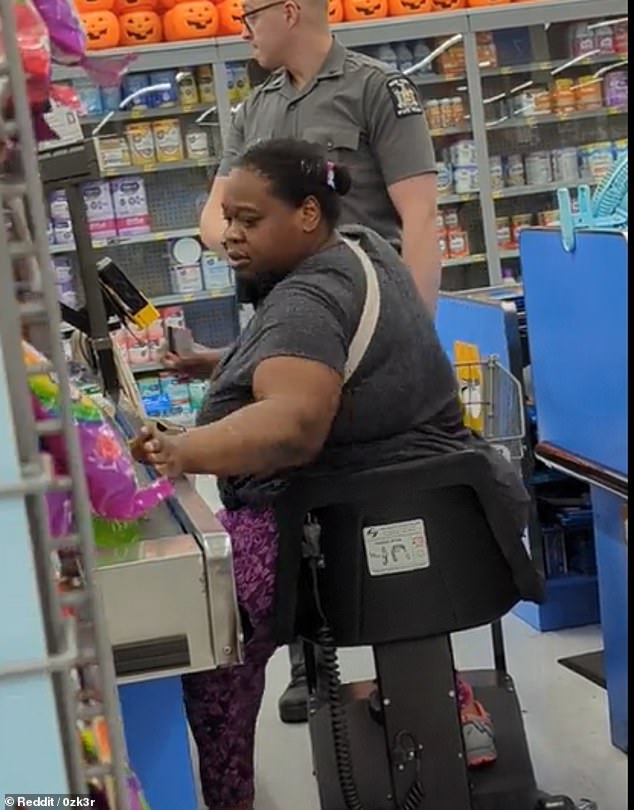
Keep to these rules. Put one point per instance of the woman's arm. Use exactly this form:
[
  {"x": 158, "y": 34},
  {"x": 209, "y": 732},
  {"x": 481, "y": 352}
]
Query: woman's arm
[{"x": 296, "y": 403}]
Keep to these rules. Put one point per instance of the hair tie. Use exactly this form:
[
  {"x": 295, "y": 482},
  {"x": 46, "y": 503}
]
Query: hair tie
[{"x": 330, "y": 175}]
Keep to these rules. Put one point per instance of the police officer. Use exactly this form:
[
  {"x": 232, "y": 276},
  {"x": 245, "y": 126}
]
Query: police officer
[{"x": 370, "y": 118}]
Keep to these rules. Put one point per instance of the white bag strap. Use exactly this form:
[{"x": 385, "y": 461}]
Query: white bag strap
[{"x": 369, "y": 315}]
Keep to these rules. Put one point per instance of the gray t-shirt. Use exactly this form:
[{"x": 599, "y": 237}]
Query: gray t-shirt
[{"x": 402, "y": 401}]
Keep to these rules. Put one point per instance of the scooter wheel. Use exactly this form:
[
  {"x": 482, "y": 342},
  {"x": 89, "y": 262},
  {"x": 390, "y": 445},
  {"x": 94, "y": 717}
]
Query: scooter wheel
[{"x": 556, "y": 803}]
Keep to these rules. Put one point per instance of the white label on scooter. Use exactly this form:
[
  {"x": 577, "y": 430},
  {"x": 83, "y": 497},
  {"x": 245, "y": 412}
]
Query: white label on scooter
[{"x": 396, "y": 548}]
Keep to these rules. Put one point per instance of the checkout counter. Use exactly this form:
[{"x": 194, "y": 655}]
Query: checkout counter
[
  {"x": 171, "y": 608},
  {"x": 577, "y": 312}
]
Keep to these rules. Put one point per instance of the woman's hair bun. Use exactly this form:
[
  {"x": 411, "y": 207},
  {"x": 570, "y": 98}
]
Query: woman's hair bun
[{"x": 342, "y": 178}]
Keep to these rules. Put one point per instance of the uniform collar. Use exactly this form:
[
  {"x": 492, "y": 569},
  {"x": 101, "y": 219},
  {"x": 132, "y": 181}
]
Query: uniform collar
[{"x": 332, "y": 67}]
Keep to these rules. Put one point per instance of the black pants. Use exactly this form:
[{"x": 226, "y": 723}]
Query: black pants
[{"x": 296, "y": 655}]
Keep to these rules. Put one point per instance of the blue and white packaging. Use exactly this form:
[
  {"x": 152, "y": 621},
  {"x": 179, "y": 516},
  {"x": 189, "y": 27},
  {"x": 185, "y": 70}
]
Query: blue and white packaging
[
  {"x": 217, "y": 275},
  {"x": 163, "y": 98}
]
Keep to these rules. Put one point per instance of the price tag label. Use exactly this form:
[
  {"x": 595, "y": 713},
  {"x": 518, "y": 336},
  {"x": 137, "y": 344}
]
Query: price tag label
[{"x": 396, "y": 548}]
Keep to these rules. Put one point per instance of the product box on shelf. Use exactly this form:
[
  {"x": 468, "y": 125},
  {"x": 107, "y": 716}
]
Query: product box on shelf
[
  {"x": 130, "y": 206},
  {"x": 99, "y": 210}
]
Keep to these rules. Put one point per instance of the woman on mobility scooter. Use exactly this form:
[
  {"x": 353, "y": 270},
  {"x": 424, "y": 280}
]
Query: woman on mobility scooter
[{"x": 289, "y": 394}]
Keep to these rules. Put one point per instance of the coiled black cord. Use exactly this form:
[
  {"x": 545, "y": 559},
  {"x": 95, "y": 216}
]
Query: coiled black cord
[{"x": 338, "y": 717}]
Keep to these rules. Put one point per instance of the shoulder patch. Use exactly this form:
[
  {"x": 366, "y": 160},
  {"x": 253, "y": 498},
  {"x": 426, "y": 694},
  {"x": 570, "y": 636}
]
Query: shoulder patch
[{"x": 404, "y": 97}]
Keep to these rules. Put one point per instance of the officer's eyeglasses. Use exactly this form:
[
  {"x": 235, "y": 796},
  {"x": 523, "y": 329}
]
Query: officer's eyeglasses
[{"x": 249, "y": 17}]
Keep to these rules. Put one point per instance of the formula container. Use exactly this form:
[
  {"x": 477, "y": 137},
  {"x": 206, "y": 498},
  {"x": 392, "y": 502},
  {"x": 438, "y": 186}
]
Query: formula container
[
  {"x": 173, "y": 316},
  {"x": 536, "y": 101},
  {"x": 466, "y": 179},
  {"x": 620, "y": 148},
  {"x": 581, "y": 39},
  {"x": 58, "y": 206},
  {"x": 458, "y": 107},
  {"x": 113, "y": 152},
  {"x": 548, "y": 219},
  {"x": 141, "y": 142},
  {"x": 514, "y": 171},
  {"x": 63, "y": 232},
  {"x": 432, "y": 109},
  {"x": 444, "y": 182},
  {"x": 163, "y": 98},
  {"x": 89, "y": 97},
  {"x": 186, "y": 279},
  {"x": 149, "y": 386},
  {"x": 130, "y": 206},
  {"x": 458, "y": 244},
  {"x": 443, "y": 246},
  {"x": 565, "y": 164},
  {"x": 518, "y": 222},
  {"x": 242, "y": 83},
  {"x": 604, "y": 39},
  {"x": 132, "y": 83},
  {"x": 588, "y": 93},
  {"x": 217, "y": 275},
  {"x": 600, "y": 159},
  {"x": 503, "y": 232},
  {"x": 99, "y": 210},
  {"x": 496, "y": 171},
  {"x": 450, "y": 219},
  {"x": 197, "y": 391},
  {"x": 206, "y": 86},
  {"x": 538, "y": 169},
  {"x": 446, "y": 113},
  {"x": 50, "y": 231},
  {"x": 196, "y": 143},
  {"x": 187, "y": 88},
  {"x": 615, "y": 89},
  {"x": 110, "y": 98},
  {"x": 168, "y": 140},
  {"x": 463, "y": 153},
  {"x": 621, "y": 38},
  {"x": 563, "y": 96}
]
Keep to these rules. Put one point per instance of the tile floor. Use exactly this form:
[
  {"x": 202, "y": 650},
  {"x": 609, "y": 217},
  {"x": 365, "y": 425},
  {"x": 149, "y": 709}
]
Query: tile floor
[{"x": 565, "y": 716}]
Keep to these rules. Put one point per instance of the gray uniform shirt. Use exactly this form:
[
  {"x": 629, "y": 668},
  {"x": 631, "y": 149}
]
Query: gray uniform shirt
[
  {"x": 366, "y": 115},
  {"x": 402, "y": 401}
]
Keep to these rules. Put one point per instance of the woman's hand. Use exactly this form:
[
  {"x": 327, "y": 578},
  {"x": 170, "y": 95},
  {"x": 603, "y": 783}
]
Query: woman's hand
[{"x": 159, "y": 450}]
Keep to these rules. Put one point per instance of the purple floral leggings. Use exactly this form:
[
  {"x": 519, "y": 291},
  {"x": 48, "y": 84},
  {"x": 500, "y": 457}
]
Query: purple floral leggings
[{"x": 222, "y": 705}]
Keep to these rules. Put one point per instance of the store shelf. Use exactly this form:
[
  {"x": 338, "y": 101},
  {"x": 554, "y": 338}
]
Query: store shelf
[
  {"x": 510, "y": 70},
  {"x": 555, "y": 118},
  {"x": 547, "y": 188},
  {"x": 159, "y": 236},
  {"x": 512, "y": 253},
  {"x": 442, "y": 133},
  {"x": 147, "y": 368},
  {"x": 188, "y": 298},
  {"x": 201, "y": 163},
  {"x": 517, "y": 15},
  {"x": 476, "y": 258},
  {"x": 452, "y": 199},
  {"x": 140, "y": 114}
]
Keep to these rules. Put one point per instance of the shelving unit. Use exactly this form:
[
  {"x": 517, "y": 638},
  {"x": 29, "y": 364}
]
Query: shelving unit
[{"x": 56, "y": 671}]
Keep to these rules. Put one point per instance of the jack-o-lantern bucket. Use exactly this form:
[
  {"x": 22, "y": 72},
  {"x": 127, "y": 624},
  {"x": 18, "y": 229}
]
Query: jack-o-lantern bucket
[
  {"x": 335, "y": 11},
  {"x": 358, "y": 10},
  {"x": 195, "y": 19},
  {"x": 400, "y": 8},
  {"x": 86, "y": 6},
  {"x": 230, "y": 17},
  {"x": 140, "y": 28},
  {"x": 126, "y": 6},
  {"x": 102, "y": 30},
  {"x": 483, "y": 3},
  {"x": 449, "y": 5}
]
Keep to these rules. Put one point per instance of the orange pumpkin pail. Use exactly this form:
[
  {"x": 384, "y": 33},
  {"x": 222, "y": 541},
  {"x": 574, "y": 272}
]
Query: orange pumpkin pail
[
  {"x": 335, "y": 11},
  {"x": 230, "y": 17},
  {"x": 449, "y": 5},
  {"x": 140, "y": 28},
  {"x": 102, "y": 30},
  {"x": 86, "y": 6},
  {"x": 359, "y": 10},
  {"x": 400, "y": 8},
  {"x": 196, "y": 19},
  {"x": 125, "y": 6}
]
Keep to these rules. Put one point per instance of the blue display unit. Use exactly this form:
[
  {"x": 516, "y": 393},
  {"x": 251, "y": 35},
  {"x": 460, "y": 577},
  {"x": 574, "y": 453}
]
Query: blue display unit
[
  {"x": 157, "y": 739},
  {"x": 492, "y": 321},
  {"x": 576, "y": 306}
]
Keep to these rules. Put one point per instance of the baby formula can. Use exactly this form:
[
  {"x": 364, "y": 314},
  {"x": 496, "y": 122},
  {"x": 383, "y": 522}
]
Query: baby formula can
[
  {"x": 588, "y": 93},
  {"x": 451, "y": 219},
  {"x": 565, "y": 164},
  {"x": 141, "y": 142},
  {"x": 518, "y": 222},
  {"x": 515, "y": 174},
  {"x": 615, "y": 89},
  {"x": 620, "y": 148},
  {"x": 458, "y": 111},
  {"x": 443, "y": 178},
  {"x": 538, "y": 169},
  {"x": 187, "y": 88},
  {"x": 164, "y": 98},
  {"x": 133, "y": 82},
  {"x": 433, "y": 114},
  {"x": 463, "y": 153},
  {"x": 168, "y": 140},
  {"x": 443, "y": 245},
  {"x": 446, "y": 113},
  {"x": 458, "y": 244},
  {"x": 206, "y": 86},
  {"x": 503, "y": 232},
  {"x": 110, "y": 98},
  {"x": 600, "y": 159},
  {"x": 90, "y": 97},
  {"x": 496, "y": 171},
  {"x": 548, "y": 219},
  {"x": 465, "y": 179},
  {"x": 196, "y": 143}
]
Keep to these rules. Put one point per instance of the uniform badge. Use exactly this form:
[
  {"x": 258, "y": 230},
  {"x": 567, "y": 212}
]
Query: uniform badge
[{"x": 404, "y": 97}]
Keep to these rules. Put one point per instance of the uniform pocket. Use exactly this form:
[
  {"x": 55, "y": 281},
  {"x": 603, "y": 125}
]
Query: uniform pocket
[{"x": 342, "y": 142}]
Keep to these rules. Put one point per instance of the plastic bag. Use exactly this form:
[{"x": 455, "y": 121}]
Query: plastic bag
[
  {"x": 67, "y": 37},
  {"x": 113, "y": 489},
  {"x": 34, "y": 45}
]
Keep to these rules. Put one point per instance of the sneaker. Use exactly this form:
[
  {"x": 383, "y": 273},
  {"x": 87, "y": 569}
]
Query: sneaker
[
  {"x": 479, "y": 737},
  {"x": 293, "y": 705}
]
